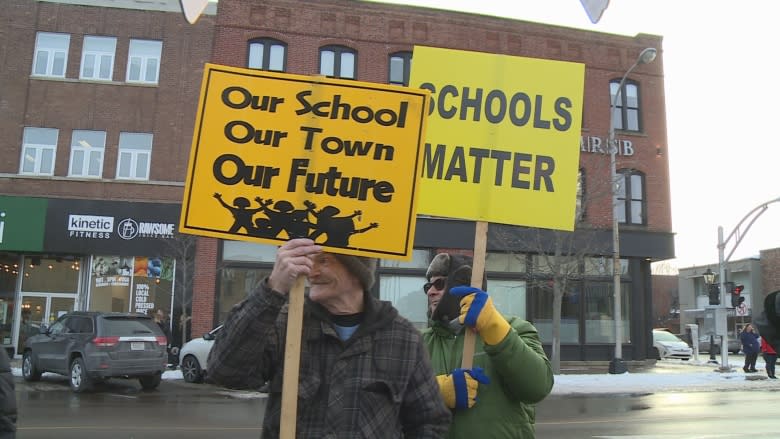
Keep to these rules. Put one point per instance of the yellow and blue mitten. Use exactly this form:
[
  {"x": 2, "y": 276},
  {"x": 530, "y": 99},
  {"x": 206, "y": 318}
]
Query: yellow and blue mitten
[
  {"x": 477, "y": 311},
  {"x": 459, "y": 389}
]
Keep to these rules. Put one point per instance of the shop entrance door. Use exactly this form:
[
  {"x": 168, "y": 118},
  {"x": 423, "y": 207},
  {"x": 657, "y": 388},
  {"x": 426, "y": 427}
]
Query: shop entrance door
[{"x": 40, "y": 309}]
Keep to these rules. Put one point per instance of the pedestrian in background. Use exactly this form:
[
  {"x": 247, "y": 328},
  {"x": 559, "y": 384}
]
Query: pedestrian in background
[
  {"x": 7, "y": 398},
  {"x": 510, "y": 373},
  {"x": 770, "y": 358},
  {"x": 364, "y": 371},
  {"x": 750, "y": 347}
]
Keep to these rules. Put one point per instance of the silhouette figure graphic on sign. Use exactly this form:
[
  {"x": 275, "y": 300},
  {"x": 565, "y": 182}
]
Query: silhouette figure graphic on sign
[
  {"x": 241, "y": 212},
  {"x": 284, "y": 217},
  {"x": 337, "y": 229}
]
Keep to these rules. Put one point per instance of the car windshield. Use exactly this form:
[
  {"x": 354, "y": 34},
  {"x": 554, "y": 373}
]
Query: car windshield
[
  {"x": 666, "y": 336},
  {"x": 118, "y": 326}
]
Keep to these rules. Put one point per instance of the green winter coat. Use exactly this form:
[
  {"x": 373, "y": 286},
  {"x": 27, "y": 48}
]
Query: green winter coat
[{"x": 520, "y": 376}]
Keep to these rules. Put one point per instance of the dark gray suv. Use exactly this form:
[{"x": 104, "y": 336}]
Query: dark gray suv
[{"x": 93, "y": 346}]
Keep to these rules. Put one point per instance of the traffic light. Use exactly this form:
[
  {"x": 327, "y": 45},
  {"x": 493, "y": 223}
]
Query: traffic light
[
  {"x": 714, "y": 294},
  {"x": 736, "y": 295}
]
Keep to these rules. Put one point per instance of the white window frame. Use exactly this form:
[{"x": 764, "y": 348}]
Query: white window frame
[
  {"x": 88, "y": 151},
  {"x": 97, "y": 55},
  {"x": 133, "y": 147},
  {"x": 267, "y": 54},
  {"x": 33, "y": 151},
  {"x": 144, "y": 52},
  {"x": 51, "y": 44},
  {"x": 338, "y": 62}
]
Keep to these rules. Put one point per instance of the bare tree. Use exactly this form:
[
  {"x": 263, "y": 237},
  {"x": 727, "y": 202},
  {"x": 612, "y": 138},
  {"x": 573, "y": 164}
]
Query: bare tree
[
  {"x": 562, "y": 255},
  {"x": 182, "y": 248}
]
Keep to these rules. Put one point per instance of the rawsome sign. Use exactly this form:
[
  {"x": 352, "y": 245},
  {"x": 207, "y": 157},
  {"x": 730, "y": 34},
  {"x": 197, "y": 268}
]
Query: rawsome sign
[
  {"x": 278, "y": 156},
  {"x": 503, "y": 137}
]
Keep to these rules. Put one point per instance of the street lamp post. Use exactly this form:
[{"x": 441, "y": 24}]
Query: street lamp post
[
  {"x": 617, "y": 365},
  {"x": 709, "y": 282}
]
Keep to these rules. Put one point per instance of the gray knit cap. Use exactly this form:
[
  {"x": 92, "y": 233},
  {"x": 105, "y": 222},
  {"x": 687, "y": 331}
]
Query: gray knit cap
[{"x": 361, "y": 267}]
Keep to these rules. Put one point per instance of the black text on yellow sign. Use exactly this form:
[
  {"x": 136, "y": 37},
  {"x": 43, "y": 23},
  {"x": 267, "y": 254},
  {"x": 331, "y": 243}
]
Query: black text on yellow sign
[
  {"x": 277, "y": 156},
  {"x": 502, "y": 142}
]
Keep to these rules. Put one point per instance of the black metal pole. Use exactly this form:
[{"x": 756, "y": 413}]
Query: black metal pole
[{"x": 712, "y": 350}]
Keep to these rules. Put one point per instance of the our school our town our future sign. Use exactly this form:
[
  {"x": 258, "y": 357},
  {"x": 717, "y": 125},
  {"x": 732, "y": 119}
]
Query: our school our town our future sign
[{"x": 278, "y": 156}]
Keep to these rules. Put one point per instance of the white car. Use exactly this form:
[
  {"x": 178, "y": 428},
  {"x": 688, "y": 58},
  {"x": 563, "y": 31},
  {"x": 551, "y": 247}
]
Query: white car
[
  {"x": 668, "y": 345},
  {"x": 193, "y": 356}
]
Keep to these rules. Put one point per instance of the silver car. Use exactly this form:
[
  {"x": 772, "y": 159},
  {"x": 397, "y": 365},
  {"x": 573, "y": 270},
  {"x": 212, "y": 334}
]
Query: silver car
[{"x": 90, "y": 346}]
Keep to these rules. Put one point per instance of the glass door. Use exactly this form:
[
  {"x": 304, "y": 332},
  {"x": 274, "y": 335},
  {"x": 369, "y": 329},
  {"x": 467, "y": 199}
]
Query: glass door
[{"x": 40, "y": 309}]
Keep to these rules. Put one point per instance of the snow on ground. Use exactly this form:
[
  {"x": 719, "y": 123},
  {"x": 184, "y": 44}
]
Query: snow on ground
[{"x": 666, "y": 376}]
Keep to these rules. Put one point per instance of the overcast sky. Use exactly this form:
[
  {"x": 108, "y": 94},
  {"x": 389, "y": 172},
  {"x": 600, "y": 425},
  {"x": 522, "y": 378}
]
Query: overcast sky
[{"x": 722, "y": 103}]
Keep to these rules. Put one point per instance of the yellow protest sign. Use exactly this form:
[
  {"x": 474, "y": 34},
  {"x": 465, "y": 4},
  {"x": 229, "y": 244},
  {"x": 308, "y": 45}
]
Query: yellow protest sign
[
  {"x": 503, "y": 137},
  {"x": 276, "y": 156}
]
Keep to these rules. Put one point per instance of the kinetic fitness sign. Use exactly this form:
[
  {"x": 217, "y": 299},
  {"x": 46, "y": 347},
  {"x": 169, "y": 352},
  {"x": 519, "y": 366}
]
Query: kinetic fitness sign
[{"x": 278, "y": 156}]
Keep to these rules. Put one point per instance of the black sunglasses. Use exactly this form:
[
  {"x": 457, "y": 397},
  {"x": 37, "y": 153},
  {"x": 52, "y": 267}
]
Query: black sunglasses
[{"x": 438, "y": 283}]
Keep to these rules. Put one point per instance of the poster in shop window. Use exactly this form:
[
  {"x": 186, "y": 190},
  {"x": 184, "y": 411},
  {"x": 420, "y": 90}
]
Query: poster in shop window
[{"x": 278, "y": 156}]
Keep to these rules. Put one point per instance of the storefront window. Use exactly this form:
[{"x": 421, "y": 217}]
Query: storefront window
[
  {"x": 50, "y": 275},
  {"x": 140, "y": 284},
  {"x": 235, "y": 284},
  {"x": 109, "y": 283},
  {"x": 600, "y": 314},
  {"x": 248, "y": 252},
  {"x": 406, "y": 294},
  {"x": 505, "y": 262},
  {"x": 542, "y": 306}
]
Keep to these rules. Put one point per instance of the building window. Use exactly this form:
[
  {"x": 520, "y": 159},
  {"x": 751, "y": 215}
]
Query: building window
[
  {"x": 600, "y": 312},
  {"x": 143, "y": 61},
  {"x": 86, "y": 153},
  {"x": 630, "y": 205},
  {"x": 39, "y": 150},
  {"x": 135, "y": 154},
  {"x": 625, "y": 115},
  {"x": 579, "y": 208},
  {"x": 400, "y": 66},
  {"x": 97, "y": 59},
  {"x": 267, "y": 54},
  {"x": 51, "y": 54},
  {"x": 337, "y": 62},
  {"x": 541, "y": 304}
]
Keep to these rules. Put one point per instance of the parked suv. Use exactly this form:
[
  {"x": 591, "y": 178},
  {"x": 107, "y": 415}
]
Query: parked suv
[{"x": 92, "y": 346}]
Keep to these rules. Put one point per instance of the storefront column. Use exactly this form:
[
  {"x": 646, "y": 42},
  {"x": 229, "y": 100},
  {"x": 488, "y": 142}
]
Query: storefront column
[{"x": 204, "y": 286}]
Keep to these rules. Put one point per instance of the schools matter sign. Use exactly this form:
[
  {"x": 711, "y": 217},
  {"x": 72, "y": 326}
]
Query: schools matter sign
[
  {"x": 277, "y": 156},
  {"x": 503, "y": 137}
]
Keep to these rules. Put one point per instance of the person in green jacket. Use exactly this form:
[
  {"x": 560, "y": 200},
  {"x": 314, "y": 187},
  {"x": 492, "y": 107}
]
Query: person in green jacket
[{"x": 510, "y": 373}]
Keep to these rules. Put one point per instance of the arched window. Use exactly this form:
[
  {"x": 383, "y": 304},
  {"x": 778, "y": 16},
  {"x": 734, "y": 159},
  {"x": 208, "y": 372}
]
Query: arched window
[
  {"x": 267, "y": 54},
  {"x": 338, "y": 62}
]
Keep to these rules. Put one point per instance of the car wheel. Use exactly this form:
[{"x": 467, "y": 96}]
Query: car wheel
[
  {"x": 150, "y": 382},
  {"x": 29, "y": 371},
  {"x": 190, "y": 369},
  {"x": 79, "y": 378}
]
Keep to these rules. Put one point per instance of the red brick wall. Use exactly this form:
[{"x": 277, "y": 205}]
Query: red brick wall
[
  {"x": 166, "y": 110},
  {"x": 375, "y": 30},
  {"x": 770, "y": 272},
  {"x": 204, "y": 286}
]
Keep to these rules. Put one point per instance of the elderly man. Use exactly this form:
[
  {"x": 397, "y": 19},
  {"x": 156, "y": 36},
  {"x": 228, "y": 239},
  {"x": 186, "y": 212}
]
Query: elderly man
[
  {"x": 496, "y": 397},
  {"x": 364, "y": 372}
]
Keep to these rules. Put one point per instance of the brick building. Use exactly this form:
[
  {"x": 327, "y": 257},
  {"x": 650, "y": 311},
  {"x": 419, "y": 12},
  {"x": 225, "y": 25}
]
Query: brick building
[
  {"x": 374, "y": 42},
  {"x": 96, "y": 115},
  {"x": 97, "y": 104}
]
